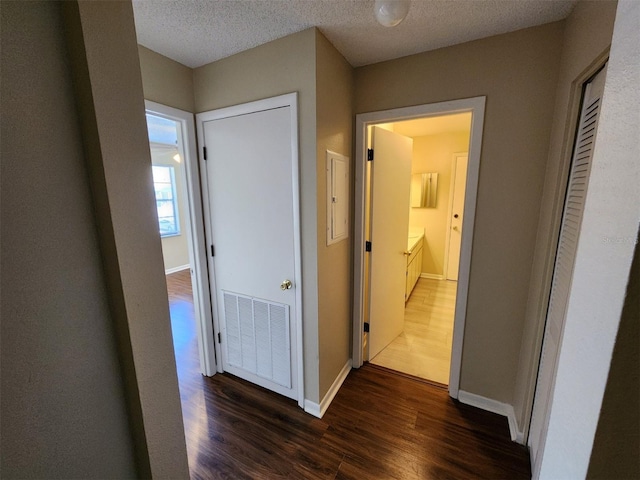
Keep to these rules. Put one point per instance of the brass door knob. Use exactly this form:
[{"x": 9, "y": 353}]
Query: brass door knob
[{"x": 286, "y": 285}]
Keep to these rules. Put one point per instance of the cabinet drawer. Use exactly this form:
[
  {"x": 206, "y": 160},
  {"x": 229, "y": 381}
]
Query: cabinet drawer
[{"x": 415, "y": 251}]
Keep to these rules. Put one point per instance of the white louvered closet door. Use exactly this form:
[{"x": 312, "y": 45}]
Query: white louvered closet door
[{"x": 565, "y": 257}]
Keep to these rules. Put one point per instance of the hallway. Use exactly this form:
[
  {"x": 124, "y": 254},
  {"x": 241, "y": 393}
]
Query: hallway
[
  {"x": 379, "y": 426},
  {"x": 423, "y": 349}
]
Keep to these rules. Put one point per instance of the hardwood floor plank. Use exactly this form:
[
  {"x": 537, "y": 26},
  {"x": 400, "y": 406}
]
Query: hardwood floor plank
[{"x": 381, "y": 425}]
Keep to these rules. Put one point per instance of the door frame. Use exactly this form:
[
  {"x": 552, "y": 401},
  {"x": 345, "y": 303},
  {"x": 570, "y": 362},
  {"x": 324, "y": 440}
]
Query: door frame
[
  {"x": 195, "y": 233},
  {"x": 452, "y": 182},
  {"x": 476, "y": 107},
  {"x": 547, "y": 249},
  {"x": 287, "y": 100}
]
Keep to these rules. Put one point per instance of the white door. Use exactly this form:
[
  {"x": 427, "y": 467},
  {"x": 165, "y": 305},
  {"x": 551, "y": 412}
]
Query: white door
[
  {"x": 457, "y": 213},
  {"x": 563, "y": 269},
  {"x": 390, "y": 195},
  {"x": 251, "y": 174}
]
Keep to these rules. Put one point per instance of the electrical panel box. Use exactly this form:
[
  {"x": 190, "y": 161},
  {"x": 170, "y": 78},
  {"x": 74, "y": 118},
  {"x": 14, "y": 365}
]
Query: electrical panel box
[{"x": 337, "y": 197}]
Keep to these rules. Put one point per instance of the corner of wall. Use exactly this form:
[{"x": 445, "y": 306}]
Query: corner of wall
[
  {"x": 319, "y": 409},
  {"x": 166, "y": 81},
  {"x": 334, "y": 131},
  {"x": 608, "y": 236},
  {"x": 110, "y": 104},
  {"x": 493, "y": 406},
  {"x": 587, "y": 34}
]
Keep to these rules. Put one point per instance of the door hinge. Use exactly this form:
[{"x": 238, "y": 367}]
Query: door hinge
[
  {"x": 213, "y": 251},
  {"x": 367, "y": 246},
  {"x": 366, "y": 327},
  {"x": 219, "y": 338},
  {"x": 370, "y": 154},
  {"x": 204, "y": 152}
]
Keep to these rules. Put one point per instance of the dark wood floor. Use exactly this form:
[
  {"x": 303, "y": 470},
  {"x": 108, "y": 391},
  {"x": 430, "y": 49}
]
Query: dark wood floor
[{"x": 379, "y": 426}]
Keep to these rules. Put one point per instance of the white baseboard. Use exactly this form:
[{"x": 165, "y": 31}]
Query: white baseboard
[
  {"x": 517, "y": 435},
  {"x": 494, "y": 406},
  {"x": 318, "y": 410},
  {"x": 176, "y": 269},
  {"x": 312, "y": 408},
  {"x": 431, "y": 276}
]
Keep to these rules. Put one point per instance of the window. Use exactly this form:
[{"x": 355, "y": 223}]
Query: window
[
  {"x": 162, "y": 130},
  {"x": 165, "y": 186}
]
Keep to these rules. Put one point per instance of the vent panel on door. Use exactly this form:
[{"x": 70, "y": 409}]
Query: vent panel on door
[
  {"x": 233, "y": 329},
  {"x": 258, "y": 337},
  {"x": 280, "y": 344},
  {"x": 247, "y": 333},
  {"x": 263, "y": 339}
]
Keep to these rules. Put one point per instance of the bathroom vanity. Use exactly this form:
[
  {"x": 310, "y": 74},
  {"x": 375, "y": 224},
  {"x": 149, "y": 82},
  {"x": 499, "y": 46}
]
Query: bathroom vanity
[{"x": 413, "y": 253}]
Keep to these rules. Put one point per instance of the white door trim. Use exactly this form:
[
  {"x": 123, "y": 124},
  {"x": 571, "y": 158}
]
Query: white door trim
[
  {"x": 195, "y": 234},
  {"x": 474, "y": 105},
  {"x": 288, "y": 100}
]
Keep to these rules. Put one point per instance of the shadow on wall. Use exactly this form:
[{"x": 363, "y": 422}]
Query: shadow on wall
[{"x": 617, "y": 441}]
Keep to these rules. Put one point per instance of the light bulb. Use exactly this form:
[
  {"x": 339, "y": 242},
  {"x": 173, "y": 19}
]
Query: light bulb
[{"x": 391, "y": 12}]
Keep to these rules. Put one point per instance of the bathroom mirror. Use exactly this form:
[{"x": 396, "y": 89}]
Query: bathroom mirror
[{"x": 424, "y": 190}]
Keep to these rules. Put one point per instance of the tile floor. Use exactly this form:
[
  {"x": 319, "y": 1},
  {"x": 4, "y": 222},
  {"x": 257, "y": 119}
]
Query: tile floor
[{"x": 424, "y": 348}]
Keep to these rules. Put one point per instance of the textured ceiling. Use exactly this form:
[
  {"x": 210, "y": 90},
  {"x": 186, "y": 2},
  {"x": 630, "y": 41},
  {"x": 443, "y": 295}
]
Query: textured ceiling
[{"x": 197, "y": 32}]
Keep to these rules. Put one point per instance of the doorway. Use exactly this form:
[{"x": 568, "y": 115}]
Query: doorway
[
  {"x": 411, "y": 241},
  {"x": 180, "y": 219},
  {"x": 427, "y": 184}
]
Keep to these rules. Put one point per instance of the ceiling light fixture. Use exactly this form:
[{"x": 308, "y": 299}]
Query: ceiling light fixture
[{"x": 391, "y": 12}]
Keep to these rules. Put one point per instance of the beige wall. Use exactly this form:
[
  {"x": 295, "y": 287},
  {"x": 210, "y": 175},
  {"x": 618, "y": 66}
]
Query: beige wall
[
  {"x": 334, "y": 117},
  {"x": 166, "y": 81},
  {"x": 282, "y": 66},
  {"x": 586, "y": 38},
  {"x": 517, "y": 72},
  {"x": 434, "y": 153},
  {"x": 108, "y": 86},
  {"x": 608, "y": 236},
  {"x": 170, "y": 83},
  {"x": 43, "y": 275},
  {"x": 175, "y": 249},
  {"x": 63, "y": 406}
]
